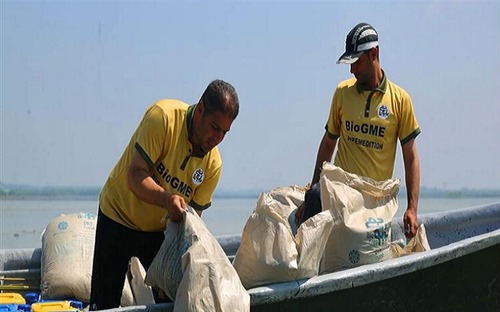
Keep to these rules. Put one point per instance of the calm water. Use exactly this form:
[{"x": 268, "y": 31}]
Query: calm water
[{"x": 23, "y": 221}]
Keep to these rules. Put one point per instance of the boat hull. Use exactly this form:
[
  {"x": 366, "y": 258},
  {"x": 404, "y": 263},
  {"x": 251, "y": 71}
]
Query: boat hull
[
  {"x": 459, "y": 279},
  {"x": 460, "y": 273}
]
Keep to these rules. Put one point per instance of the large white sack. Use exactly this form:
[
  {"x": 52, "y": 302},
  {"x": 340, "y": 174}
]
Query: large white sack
[
  {"x": 165, "y": 272},
  {"x": 67, "y": 257},
  {"x": 269, "y": 251},
  {"x": 363, "y": 209},
  {"x": 193, "y": 270}
]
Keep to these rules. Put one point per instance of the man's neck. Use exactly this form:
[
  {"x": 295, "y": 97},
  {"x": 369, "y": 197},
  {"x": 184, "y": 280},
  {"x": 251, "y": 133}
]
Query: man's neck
[
  {"x": 374, "y": 83},
  {"x": 379, "y": 76}
]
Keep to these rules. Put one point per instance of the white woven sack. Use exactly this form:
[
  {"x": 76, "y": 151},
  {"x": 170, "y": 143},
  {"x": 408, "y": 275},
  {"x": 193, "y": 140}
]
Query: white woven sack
[
  {"x": 193, "y": 269},
  {"x": 269, "y": 252},
  {"x": 67, "y": 257},
  {"x": 363, "y": 210}
]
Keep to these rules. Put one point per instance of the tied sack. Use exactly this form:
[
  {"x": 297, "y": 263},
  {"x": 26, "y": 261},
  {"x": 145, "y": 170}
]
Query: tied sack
[
  {"x": 269, "y": 251},
  {"x": 194, "y": 271},
  {"x": 363, "y": 210},
  {"x": 67, "y": 257}
]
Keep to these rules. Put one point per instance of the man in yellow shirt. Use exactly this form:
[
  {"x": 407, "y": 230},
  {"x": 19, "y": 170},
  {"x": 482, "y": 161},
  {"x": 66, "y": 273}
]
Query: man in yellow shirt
[
  {"x": 170, "y": 162},
  {"x": 368, "y": 115}
]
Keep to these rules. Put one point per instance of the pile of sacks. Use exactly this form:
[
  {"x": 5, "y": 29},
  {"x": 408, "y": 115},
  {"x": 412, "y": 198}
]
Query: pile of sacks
[
  {"x": 193, "y": 270},
  {"x": 353, "y": 229},
  {"x": 190, "y": 267}
]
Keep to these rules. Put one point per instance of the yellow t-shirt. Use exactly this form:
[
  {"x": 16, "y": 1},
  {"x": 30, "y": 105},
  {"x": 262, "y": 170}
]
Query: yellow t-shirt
[
  {"x": 368, "y": 125},
  {"x": 162, "y": 140}
]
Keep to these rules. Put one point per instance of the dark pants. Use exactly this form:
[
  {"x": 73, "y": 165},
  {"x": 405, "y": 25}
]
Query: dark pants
[
  {"x": 312, "y": 202},
  {"x": 115, "y": 244}
]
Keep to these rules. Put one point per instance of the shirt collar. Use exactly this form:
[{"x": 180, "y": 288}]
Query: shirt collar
[
  {"x": 189, "y": 123},
  {"x": 382, "y": 87},
  {"x": 189, "y": 119}
]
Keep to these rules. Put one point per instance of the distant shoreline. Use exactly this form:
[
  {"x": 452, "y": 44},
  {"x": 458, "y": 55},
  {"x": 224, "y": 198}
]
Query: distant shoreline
[
  {"x": 73, "y": 194},
  {"x": 28, "y": 192},
  {"x": 96, "y": 197},
  {"x": 48, "y": 197}
]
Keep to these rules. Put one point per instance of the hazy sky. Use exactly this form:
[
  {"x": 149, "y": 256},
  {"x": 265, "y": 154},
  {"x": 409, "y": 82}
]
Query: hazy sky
[{"x": 77, "y": 76}]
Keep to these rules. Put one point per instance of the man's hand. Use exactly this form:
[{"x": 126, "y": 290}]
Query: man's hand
[
  {"x": 410, "y": 223},
  {"x": 176, "y": 205}
]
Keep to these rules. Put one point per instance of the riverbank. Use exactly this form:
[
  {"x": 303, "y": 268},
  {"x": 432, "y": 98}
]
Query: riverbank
[{"x": 17, "y": 192}]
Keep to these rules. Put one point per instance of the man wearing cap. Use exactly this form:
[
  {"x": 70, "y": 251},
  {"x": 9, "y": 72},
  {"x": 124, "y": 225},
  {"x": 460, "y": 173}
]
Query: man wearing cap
[{"x": 368, "y": 115}]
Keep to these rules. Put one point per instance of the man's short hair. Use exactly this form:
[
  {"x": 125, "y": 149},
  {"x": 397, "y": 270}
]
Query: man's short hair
[{"x": 220, "y": 96}]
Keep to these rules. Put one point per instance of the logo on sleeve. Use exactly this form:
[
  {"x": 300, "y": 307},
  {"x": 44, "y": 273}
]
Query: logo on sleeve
[
  {"x": 198, "y": 176},
  {"x": 383, "y": 111}
]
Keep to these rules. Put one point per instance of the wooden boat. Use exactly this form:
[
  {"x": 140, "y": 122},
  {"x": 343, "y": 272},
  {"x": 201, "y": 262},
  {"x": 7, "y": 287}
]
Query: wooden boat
[{"x": 460, "y": 273}]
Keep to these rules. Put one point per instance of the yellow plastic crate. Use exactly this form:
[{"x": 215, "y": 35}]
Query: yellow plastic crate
[
  {"x": 53, "y": 306},
  {"x": 12, "y": 298}
]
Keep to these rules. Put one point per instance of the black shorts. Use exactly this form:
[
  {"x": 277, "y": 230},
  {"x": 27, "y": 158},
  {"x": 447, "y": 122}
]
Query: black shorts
[{"x": 115, "y": 244}]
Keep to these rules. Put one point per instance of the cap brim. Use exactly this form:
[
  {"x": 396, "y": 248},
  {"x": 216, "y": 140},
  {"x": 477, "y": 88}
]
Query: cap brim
[{"x": 349, "y": 58}]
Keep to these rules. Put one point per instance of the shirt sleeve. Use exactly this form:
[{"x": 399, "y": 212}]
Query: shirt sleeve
[
  {"x": 150, "y": 134},
  {"x": 408, "y": 125},
  {"x": 203, "y": 195},
  {"x": 333, "y": 124}
]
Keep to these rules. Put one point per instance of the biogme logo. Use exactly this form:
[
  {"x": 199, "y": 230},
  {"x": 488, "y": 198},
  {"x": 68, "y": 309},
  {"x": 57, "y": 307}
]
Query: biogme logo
[
  {"x": 198, "y": 176},
  {"x": 383, "y": 111}
]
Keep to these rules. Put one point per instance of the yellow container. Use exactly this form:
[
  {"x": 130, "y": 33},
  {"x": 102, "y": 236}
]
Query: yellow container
[
  {"x": 52, "y": 306},
  {"x": 13, "y": 298}
]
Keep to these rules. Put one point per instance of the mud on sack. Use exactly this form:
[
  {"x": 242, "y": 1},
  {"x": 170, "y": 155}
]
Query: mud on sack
[{"x": 363, "y": 210}]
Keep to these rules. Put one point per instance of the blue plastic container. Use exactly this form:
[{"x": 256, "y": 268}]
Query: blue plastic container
[
  {"x": 8, "y": 307},
  {"x": 76, "y": 304},
  {"x": 24, "y": 308},
  {"x": 32, "y": 297}
]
